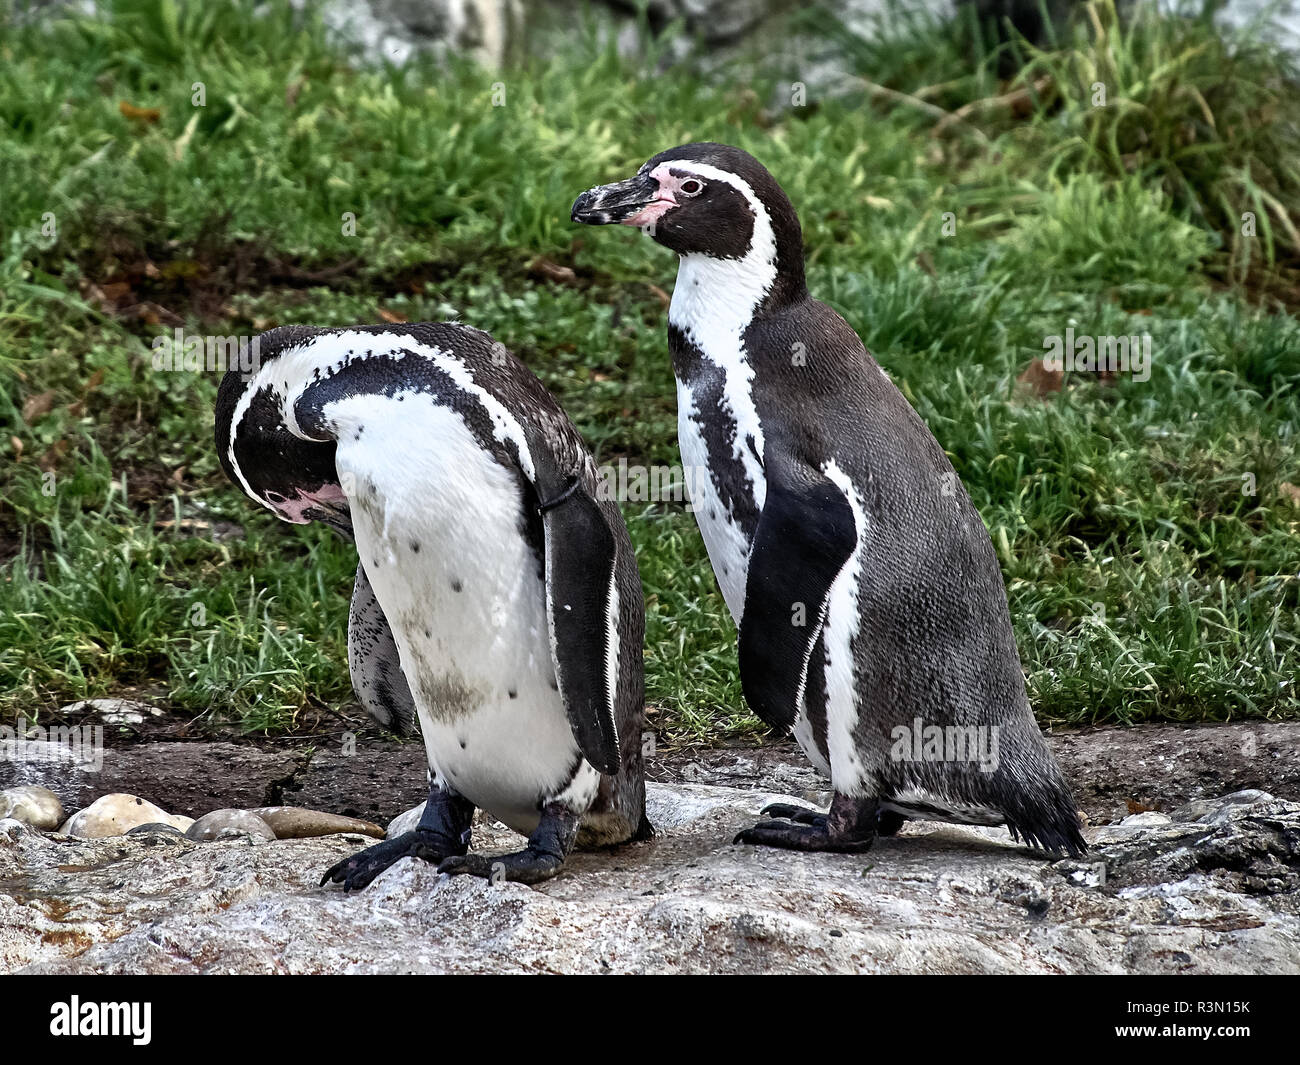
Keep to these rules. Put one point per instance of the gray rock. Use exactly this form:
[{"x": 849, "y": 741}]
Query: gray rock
[
  {"x": 405, "y": 821},
  {"x": 33, "y": 805},
  {"x": 1197, "y": 898},
  {"x": 1147, "y": 817},
  {"x": 393, "y": 30},
  {"x": 112, "y": 711},
  {"x": 12, "y": 830},
  {"x": 1194, "y": 811},
  {"x": 226, "y": 824}
]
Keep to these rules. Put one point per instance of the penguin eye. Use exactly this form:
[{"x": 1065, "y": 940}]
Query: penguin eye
[
  {"x": 276, "y": 497},
  {"x": 691, "y": 187}
]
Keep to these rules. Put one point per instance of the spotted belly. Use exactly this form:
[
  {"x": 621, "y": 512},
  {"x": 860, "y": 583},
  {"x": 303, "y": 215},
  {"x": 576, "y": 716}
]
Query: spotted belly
[{"x": 464, "y": 593}]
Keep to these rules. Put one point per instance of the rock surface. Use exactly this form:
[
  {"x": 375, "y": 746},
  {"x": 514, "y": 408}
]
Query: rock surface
[
  {"x": 406, "y": 821},
  {"x": 33, "y": 805},
  {"x": 112, "y": 711},
  {"x": 156, "y": 827},
  {"x": 1217, "y": 894},
  {"x": 1183, "y": 879},
  {"x": 727, "y": 31}
]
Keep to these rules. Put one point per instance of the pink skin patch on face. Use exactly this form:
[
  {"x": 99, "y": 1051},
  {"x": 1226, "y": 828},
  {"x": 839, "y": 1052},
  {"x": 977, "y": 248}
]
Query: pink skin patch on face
[
  {"x": 293, "y": 510},
  {"x": 665, "y": 199}
]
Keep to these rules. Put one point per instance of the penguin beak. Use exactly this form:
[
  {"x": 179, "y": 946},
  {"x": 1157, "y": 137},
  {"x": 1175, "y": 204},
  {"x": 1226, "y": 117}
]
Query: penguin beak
[
  {"x": 623, "y": 202},
  {"x": 336, "y": 515}
]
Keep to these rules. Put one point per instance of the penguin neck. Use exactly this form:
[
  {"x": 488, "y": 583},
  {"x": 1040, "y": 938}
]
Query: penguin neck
[{"x": 715, "y": 299}]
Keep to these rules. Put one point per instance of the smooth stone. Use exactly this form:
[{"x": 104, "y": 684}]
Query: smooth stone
[
  {"x": 405, "y": 821},
  {"x": 33, "y": 805},
  {"x": 1199, "y": 808},
  {"x": 1148, "y": 818},
  {"x": 226, "y": 824},
  {"x": 115, "y": 711},
  {"x": 116, "y": 815},
  {"x": 1249, "y": 797},
  {"x": 297, "y": 822}
]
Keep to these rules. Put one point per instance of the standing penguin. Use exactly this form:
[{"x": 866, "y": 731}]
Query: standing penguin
[
  {"x": 872, "y": 616},
  {"x": 497, "y": 598}
]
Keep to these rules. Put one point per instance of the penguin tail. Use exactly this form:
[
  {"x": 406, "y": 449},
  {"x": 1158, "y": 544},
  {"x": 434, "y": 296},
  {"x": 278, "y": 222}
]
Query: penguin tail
[
  {"x": 1051, "y": 825},
  {"x": 1035, "y": 798}
]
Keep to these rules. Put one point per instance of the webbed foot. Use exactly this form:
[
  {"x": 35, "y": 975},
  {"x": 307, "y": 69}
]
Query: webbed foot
[
  {"x": 527, "y": 866},
  {"x": 544, "y": 856},
  {"x": 849, "y": 827},
  {"x": 443, "y": 831},
  {"x": 360, "y": 869}
]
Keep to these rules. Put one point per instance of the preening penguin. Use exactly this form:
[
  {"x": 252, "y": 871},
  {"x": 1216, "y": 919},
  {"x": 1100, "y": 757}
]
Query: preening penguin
[
  {"x": 497, "y": 599},
  {"x": 872, "y": 615}
]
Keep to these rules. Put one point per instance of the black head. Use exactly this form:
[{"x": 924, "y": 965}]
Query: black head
[
  {"x": 293, "y": 477},
  {"x": 706, "y": 199}
]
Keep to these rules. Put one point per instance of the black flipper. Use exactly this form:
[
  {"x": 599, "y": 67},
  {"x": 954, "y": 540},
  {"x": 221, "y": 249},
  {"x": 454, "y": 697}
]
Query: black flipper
[
  {"x": 580, "y": 555},
  {"x": 373, "y": 661},
  {"x": 806, "y": 533}
]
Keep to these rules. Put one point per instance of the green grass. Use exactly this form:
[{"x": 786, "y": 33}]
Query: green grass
[
  {"x": 1207, "y": 116},
  {"x": 1143, "y": 583}
]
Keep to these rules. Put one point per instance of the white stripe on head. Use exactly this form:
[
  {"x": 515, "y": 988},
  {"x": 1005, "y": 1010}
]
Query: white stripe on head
[
  {"x": 743, "y": 282},
  {"x": 321, "y": 357}
]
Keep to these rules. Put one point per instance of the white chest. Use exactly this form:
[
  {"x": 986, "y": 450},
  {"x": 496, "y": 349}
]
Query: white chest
[
  {"x": 435, "y": 520},
  {"x": 713, "y": 302}
]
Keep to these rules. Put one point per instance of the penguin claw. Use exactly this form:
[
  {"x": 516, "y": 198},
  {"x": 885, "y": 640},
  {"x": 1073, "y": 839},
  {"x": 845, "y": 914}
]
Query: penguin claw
[
  {"x": 792, "y": 837},
  {"x": 358, "y": 870},
  {"x": 522, "y": 867},
  {"x": 466, "y": 865},
  {"x": 849, "y": 827}
]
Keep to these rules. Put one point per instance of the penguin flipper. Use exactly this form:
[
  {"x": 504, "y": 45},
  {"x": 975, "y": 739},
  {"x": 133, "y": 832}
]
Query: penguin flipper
[
  {"x": 583, "y": 610},
  {"x": 806, "y": 533},
  {"x": 374, "y": 664}
]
